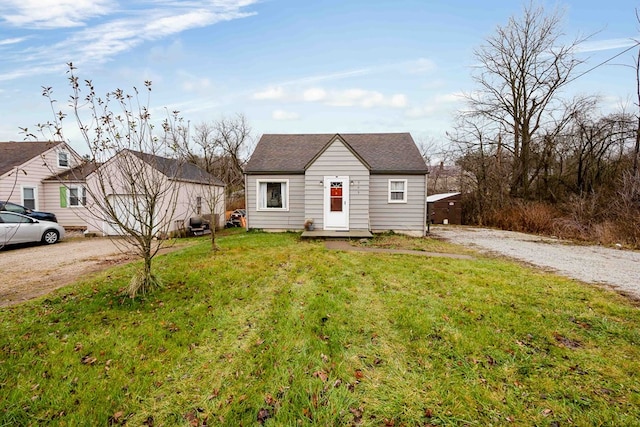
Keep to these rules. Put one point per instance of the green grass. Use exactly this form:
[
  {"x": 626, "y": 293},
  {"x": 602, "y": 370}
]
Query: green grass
[{"x": 276, "y": 331}]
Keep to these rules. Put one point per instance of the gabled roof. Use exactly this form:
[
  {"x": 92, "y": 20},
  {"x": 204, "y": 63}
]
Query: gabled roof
[
  {"x": 13, "y": 154},
  {"x": 179, "y": 170},
  {"x": 293, "y": 153}
]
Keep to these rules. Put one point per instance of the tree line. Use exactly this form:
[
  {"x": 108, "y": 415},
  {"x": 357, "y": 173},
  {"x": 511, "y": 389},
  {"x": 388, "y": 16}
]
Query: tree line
[{"x": 532, "y": 160}]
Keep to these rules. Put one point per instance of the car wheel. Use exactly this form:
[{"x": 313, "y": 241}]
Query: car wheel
[{"x": 50, "y": 237}]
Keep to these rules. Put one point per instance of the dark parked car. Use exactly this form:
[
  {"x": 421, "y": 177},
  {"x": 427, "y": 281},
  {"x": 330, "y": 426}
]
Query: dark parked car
[{"x": 12, "y": 207}]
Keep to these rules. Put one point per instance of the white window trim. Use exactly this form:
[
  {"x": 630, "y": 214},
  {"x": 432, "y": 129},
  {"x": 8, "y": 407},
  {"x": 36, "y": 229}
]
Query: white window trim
[
  {"x": 68, "y": 159},
  {"x": 405, "y": 192},
  {"x": 285, "y": 199},
  {"x": 35, "y": 195},
  {"x": 82, "y": 194}
]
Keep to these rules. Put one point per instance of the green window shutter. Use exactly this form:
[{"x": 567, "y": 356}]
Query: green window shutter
[{"x": 63, "y": 197}]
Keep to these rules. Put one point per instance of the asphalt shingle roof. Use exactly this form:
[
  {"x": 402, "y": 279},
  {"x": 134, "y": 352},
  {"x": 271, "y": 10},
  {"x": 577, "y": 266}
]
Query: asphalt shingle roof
[
  {"x": 179, "y": 170},
  {"x": 291, "y": 153},
  {"x": 14, "y": 154}
]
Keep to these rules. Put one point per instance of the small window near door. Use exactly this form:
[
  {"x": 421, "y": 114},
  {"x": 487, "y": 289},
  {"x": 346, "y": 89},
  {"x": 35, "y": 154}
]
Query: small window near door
[
  {"x": 397, "y": 191},
  {"x": 336, "y": 197},
  {"x": 273, "y": 195},
  {"x": 29, "y": 197},
  {"x": 63, "y": 159}
]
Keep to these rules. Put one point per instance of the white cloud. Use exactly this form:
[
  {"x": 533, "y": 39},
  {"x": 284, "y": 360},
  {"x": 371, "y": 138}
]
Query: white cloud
[
  {"x": 272, "y": 92},
  {"x": 609, "y": 44},
  {"x": 314, "y": 94},
  {"x": 421, "y": 65},
  {"x": 399, "y": 101},
  {"x": 53, "y": 13},
  {"x": 118, "y": 30},
  {"x": 284, "y": 115},
  {"x": 438, "y": 103},
  {"x": 193, "y": 84},
  {"x": 14, "y": 40},
  {"x": 355, "y": 98}
]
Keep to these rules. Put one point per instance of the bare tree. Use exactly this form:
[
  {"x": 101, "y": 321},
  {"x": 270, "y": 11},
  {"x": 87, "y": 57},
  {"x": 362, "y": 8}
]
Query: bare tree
[
  {"x": 523, "y": 68},
  {"x": 220, "y": 147},
  {"x": 129, "y": 183}
]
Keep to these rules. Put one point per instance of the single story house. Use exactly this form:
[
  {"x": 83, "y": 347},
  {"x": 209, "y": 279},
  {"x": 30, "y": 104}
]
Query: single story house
[
  {"x": 352, "y": 182},
  {"x": 183, "y": 191},
  {"x": 445, "y": 208},
  {"x": 51, "y": 176}
]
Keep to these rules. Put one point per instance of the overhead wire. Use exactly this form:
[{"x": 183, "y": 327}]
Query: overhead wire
[{"x": 637, "y": 43}]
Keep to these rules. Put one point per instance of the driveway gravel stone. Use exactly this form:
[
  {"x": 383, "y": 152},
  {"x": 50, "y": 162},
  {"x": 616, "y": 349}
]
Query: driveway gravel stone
[{"x": 617, "y": 268}]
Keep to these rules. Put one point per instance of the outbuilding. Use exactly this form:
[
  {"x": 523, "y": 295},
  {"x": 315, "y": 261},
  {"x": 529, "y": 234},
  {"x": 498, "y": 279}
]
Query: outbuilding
[{"x": 445, "y": 208}]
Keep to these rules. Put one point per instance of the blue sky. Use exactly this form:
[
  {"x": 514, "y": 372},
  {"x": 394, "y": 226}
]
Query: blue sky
[{"x": 291, "y": 66}]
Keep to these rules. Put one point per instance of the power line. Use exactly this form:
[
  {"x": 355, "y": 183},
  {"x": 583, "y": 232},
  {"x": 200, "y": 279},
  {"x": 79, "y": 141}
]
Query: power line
[{"x": 603, "y": 62}]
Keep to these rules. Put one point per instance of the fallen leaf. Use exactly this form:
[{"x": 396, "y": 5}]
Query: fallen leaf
[
  {"x": 321, "y": 374},
  {"x": 359, "y": 374},
  {"x": 357, "y": 414},
  {"x": 547, "y": 412},
  {"x": 263, "y": 415},
  {"x": 269, "y": 399},
  {"x": 88, "y": 360},
  {"x": 307, "y": 413}
]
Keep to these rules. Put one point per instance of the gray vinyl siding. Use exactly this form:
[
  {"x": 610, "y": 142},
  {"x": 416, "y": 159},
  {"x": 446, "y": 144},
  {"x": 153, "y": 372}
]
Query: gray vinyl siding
[
  {"x": 400, "y": 217},
  {"x": 276, "y": 220},
  {"x": 337, "y": 160}
]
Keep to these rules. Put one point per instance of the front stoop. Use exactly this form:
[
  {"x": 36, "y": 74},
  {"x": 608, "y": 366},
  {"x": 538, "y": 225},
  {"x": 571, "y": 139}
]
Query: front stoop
[{"x": 334, "y": 234}]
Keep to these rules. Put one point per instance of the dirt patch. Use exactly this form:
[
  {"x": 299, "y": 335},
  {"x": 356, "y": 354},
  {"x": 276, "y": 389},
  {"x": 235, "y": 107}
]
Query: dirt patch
[
  {"x": 342, "y": 245},
  {"x": 30, "y": 272}
]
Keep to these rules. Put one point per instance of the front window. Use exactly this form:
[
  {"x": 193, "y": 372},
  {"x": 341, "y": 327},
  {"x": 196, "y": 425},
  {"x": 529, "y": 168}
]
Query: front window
[
  {"x": 198, "y": 205},
  {"x": 63, "y": 159},
  {"x": 397, "y": 191},
  {"x": 77, "y": 196},
  {"x": 29, "y": 198},
  {"x": 273, "y": 195}
]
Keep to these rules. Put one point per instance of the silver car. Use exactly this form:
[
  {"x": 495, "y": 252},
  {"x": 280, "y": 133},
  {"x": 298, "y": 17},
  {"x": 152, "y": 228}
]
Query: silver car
[{"x": 16, "y": 228}]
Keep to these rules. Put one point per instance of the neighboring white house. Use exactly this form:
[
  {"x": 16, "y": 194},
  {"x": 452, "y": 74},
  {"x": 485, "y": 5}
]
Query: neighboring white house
[
  {"x": 50, "y": 176},
  {"x": 371, "y": 182},
  {"x": 184, "y": 191},
  {"x": 24, "y": 171}
]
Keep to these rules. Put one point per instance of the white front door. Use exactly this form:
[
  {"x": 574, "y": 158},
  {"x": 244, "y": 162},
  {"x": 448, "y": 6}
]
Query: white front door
[{"x": 336, "y": 202}]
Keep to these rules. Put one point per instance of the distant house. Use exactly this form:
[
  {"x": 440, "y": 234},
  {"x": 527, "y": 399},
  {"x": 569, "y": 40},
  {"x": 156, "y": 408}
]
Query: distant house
[
  {"x": 51, "y": 176},
  {"x": 24, "y": 171},
  {"x": 371, "y": 182},
  {"x": 195, "y": 188},
  {"x": 445, "y": 208}
]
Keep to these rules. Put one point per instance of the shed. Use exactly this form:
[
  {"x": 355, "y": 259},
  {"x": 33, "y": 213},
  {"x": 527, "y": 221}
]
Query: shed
[{"x": 445, "y": 208}]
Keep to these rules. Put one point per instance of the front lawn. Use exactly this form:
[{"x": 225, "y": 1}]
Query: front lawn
[{"x": 274, "y": 331}]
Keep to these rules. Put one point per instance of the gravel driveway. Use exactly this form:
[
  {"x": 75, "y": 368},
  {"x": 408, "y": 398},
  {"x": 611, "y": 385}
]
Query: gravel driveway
[
  {"x": 29, "y": 272},
  {"x": 617, "y": 268}
]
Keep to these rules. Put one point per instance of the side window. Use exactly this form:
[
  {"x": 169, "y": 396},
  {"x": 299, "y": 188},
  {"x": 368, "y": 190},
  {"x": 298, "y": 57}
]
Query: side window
[
  {"x": 63, "y": 159},
  {"x": 10, "y": 218},
  {"x": 29, "y": 197},
  {"x": 273, "y": 195},
  {"x": 397, "y": 191},
  {"x": 77, "y": 196}
]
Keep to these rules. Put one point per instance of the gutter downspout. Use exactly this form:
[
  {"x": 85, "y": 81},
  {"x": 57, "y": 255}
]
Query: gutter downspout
[
  {"x": 427, "y": 228},
  {"x": 246, "y": 202}
]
